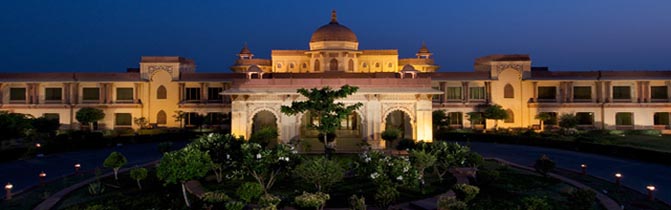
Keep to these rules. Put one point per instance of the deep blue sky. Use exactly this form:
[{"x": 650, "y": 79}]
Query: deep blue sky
[{"x": 92, "y": 35}]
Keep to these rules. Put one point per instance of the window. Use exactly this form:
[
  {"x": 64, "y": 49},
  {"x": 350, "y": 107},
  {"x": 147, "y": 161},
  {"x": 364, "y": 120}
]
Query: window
[
  {"x": 477, "y": 93},
  {"x": 454, "y": 93},
  {"x": 214, "y": 118},
  {"x": 53, "y": 94},
  {"x": 161, "y": 92},
  {"x": 213, "y": 94},
  {"x": 317, "y": 65},
  {"x": 364, "y": 65},
  {"x": 377, "y": 65},
  {"x": 390, "y": 65},
  {"x": 52, "y": 116},
  {"x": 279, "y": 65},
  {"x": 510, "y": 118},
  {"x": 624, "y": 118},
  {"x": 123, "y": 119},
  {"x": 193, "y": 118},
  {"x": 508, "y": 91},
  {"x": 547, "y": 93},
  {"x": 661, "y": 118},
  {"x": 161, "y": 118},
  {"x": 192, "y": 94},
  {"x": 455, "y": 118},
  {"x": 124, "y": 94},
  {"x": 621, "y": 92},
  {"x": 350, "y": 65},
  {"x": 333, "y": 65},
  {"x": 91, "y": 94},
  {"x": 582, "y": 93},
  {"x": 585, "y": 118},
  {"x": 17, "y": 94},
  {"x": 659, "y": 92},
  {"x": 291, "y": 65}
]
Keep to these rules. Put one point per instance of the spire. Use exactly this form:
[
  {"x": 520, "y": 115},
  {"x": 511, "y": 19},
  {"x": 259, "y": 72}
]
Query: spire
[
  {"x": 334, "y": 19},
  {"x": 245, "y": 53},
  {"x": 424, "y": 52}
]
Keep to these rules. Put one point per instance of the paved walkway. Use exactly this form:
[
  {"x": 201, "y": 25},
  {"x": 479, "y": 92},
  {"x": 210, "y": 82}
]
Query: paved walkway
[
  {"x": 636, "y": 174},
  {"x": 24, "y": 173}
]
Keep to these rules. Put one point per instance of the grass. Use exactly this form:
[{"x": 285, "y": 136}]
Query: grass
[
  {"x": 628, "y": 197},
  {"x": 32, "y": 197}
]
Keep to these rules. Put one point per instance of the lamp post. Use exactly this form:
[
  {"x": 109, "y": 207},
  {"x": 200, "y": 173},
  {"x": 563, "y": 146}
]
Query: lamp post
[
  {"x": 8, "y": 188},
  {"x": 618, "y": 177},
  {"x": 39, "y": 151},
  {"x": 77, "y": 167},
  {"x": 584, "y": 168},
  {"x": 42, "y": 175},
  {"x": 650, "y": 189}
]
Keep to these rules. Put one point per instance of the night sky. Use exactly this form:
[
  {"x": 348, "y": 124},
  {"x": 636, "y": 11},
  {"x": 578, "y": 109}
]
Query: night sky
[{"x": 90, "y": 35}]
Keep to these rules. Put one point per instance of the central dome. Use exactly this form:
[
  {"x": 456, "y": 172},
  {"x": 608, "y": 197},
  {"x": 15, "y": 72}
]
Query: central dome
[{"x": 333, "y": 32}]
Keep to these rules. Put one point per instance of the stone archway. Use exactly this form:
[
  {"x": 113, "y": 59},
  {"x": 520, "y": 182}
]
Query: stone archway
[
  {"x": 262, "y": 119},
  {"x": 400, "y": 120}
]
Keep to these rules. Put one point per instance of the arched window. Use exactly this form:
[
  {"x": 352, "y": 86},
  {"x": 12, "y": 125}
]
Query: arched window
[
  {"x": 333, "y": 65},
  {"x": 317, "y": 65},
  {"x": 364, "y": 65},
  {"x": 161, "y": 92},
  {"x": 508, "y": 91},
  {"x": 511, "y": 116},
  {"x": 161, "y": 118},
  {"x": 377, "y": 65},
  {"x": 305, "y": 65},
  {"x": 350, "y": 65}
]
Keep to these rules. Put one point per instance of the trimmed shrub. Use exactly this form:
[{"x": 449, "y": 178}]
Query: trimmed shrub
[
  {"x": 405, "y": 144},
  {"x": 451, "y": 203},
  {"x": 249, "y": 191},
  {"x": 269, "y": 201},
  {"x": 465, "y": 192},
  {"x": 487, "y": 177},
  {"x": 535, "y": 203},
  {"x": 582, "y": 199},
  {"x": 544, "y": 165},
  {"x": 312, "y": 200},
  {"x": 320, "y": 172},
  {"x": 391, "y": 134}
]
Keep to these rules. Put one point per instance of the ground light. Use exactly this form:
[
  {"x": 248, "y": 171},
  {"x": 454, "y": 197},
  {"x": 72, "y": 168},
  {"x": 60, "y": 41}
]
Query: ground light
[
  {"x": 618, "y": 177},
  {"x": 42, "y": 175},
  {"x": 584, "y": 168},
  {"x": 77, "y": 167},
  {"x": 8, "y": 188},
  {"x": 650, "y": 189}
]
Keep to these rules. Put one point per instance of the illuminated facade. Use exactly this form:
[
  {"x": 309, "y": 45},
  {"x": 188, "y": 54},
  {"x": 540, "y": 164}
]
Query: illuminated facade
[{"x": 396, "y": 92}]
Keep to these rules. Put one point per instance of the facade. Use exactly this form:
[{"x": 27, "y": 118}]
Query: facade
[{"x": 396, "y": 92}]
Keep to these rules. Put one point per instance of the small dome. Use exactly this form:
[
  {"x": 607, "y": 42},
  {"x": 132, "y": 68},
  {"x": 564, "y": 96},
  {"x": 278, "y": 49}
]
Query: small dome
[
  {"x": 333, "y": 32},
  {"x": 423, "y": 49},
  {"x": 245, "y": 50}
]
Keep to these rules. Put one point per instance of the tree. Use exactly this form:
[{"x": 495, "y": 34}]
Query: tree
[
  {"x": 544, "y": 165},
  {"x": 474, "y": 117},
  {"x": 321, "y": 102},
  {"x": 266, "y": 164},
  {"x": 422, "y": 160},
  {"x": 568, "y": 121},
  {"x": 13, "y": 125},
  {"x": 439, "y": 119},
  {"x": 321, "y": 172},
  {"x": 224, "y": 151},
  {"x": 141, "y": 122},
  {"x": 45, "y": 125},
  {"x": 542, "y": 117},
  {"x": 179, "y": 117},
  {"x": 115, "y": 161},
  {"x": 265, "y": 136},
  {"x": 138, "y": 174},
  {"x": 89, "y": 115},
  {"x": 495, "y": 112},
  {"x": 183, "y": 165}
]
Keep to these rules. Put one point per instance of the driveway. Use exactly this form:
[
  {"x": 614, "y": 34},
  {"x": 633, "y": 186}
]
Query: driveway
[
  {"x": 24, "y": 173},
  {"x": 636, "y": 174}
]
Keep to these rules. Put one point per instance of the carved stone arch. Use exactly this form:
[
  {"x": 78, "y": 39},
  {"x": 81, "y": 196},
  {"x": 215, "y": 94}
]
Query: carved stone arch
[
  {"x": 250, "y": 119},
  {"x": 154, "y": 72},
  {"x": 408, "y": 67},
  {"x": 397, "y": 108},
  {"x": 508, "y": 91}
]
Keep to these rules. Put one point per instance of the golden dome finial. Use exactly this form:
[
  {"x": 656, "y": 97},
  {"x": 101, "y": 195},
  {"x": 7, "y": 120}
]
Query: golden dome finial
[{"x": 334, "y": 18}]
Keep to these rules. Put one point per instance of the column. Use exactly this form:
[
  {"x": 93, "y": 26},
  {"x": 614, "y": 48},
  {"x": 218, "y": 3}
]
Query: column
[
  {"x": 75, "y": 93},
  {"x": 65, "y": 97},
  {"x": 110, "y": 95},
  {"x": 607, "y": 90},
  {"x": 203, "y": 92},
  {"x": 1, "y": 94},
  {"x": 464, "y": 87},
  {"x": 647, "y": 91},
  {"x": 668, "y": 90},
  {"x": 599, "y": 94},
  {"x": 136, "y": 92},
  {"x": 443, "y": 87},
  {"x": 101, "y": 97},
  {"x": 535, "y": 92},
  {"x": 569, "y": 91},
  {"x": 181, "y": 93},
  {"x": 488, "y": 91}
]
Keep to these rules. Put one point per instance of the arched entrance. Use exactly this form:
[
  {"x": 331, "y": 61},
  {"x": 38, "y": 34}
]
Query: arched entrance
[
  {"x": 333, "y": 65},
  {"x": 264, "y": 122},
  {"x": 348, "y": 134},
  {"x": 401, "y": 121}
]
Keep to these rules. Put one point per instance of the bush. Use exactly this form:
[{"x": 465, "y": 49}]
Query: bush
[
  {"x": 264, "y": 136},
  {"x": 487, "y": 177},
  {"x": 473, "y": 160},
  {"x": 215, "y": 199},
  {"x": 357, "y": 203},
  {"x": 312, "y": 200},
  {"x": 269, "y": 201},
  {"x": 582, "y": 199},
  {"x": 465, "y": 192},
  {"x": 234, "y": 205},
  {"x": 249, "y": 191},
  {"x": 96, "y": 188},
  {"x": 422, "y": 160},
  {"x": 535, "y": 203},
  {"x": 386, "y": 195},
  {"x": 320, "y": 172},
  {"x": 544, "y": 165},
  {"x": 391, "y": 134},
  {"x": 450, "y": 203},
  {"x": 405, "y": 144}
]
